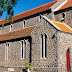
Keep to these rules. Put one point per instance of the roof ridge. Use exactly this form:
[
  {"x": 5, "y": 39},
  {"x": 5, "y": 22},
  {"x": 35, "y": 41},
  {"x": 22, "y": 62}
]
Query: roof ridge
[
  {"x": 57, "y": 22},
  {"x": 51, "y": 23},
  {"x": 33, "y": 8},
  {"x": 64, "y": 27},
  {"x": 68, "y": 26},
  {"x": 36, "y": 7},
  {"x": 56, "y": 9},
  {"x": 66, "y": 5}
]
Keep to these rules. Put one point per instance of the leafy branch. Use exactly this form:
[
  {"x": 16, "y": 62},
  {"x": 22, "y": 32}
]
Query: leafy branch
[
  {"x": 7, "y": 5},
  {"x": 28, "y": 66}
]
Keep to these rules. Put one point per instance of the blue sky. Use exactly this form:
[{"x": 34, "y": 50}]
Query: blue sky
[{"x": 24, "y": 5}]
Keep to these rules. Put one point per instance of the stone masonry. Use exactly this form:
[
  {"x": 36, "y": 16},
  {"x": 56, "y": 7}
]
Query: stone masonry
[
  {"x": 64, "y": 42},
  {"x": 55, "y": 61}
]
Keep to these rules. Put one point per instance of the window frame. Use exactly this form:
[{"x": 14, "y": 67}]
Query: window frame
[
  {"x": 23, "y": 49},
  {"x": 43, "y": 46},
  {"x": 7, "y": 45}
]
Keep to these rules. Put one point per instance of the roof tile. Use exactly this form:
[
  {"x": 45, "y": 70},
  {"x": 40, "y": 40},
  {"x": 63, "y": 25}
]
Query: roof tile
[
  {"x": 66, "y": 5},
  {"x": 62, "y": 26},
  {"x": 17, "y": 34},
  {"x": 30, "y": 12}
]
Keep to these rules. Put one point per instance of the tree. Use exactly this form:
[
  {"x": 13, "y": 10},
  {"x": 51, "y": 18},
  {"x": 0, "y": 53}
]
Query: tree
[{"x": 7, "y": 5}]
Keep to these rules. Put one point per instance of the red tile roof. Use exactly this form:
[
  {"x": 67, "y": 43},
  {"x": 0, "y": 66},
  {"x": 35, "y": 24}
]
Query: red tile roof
[
  {"x": 30, "y": 12},
  {"x": 17, "y": 34},
  {"x": 66, "y": 5},
  {"x": 68, "y": 0},
  {"x": 63, "y": 27}
]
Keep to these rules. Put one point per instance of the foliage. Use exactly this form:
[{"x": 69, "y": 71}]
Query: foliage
[
  {"x": 2, "y": 23},
  {"x": 3, "y": 26},
  {"x": 7, "y": 5},
  {"x": 28, "y": 65}
]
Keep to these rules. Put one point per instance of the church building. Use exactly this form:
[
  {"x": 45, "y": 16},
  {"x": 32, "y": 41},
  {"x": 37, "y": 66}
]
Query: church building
[{"x": 41, "y": 36}]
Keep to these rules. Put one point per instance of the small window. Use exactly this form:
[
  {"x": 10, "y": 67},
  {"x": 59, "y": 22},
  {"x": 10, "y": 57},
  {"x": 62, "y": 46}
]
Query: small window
[
  {"x": 39, "y": 17},
  {"x": 10, "y": 27},
  {"x": 24, "y": 23},
  {"x": 7, "y": 50},
  {"x": 23, "y": 49},
  {"x": 63, "y": 15},
  {"x": 0, "y": 29}
]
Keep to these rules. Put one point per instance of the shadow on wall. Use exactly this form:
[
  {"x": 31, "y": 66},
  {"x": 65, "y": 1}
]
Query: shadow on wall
[
  {"x": 30, "y": 54},
  {"x": 63, "y": 10}
]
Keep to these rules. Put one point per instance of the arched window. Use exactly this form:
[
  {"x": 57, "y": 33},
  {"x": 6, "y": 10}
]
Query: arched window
[
  {"x": 39, "y": 17},
  {"x": 10, "y": 27},
  {"x": 7, "y": 50},
  {"x": 23, "y": 49},
  {"x": 24, "y": 23},
  {"x": 43, "y": 46},
  {"x": 63, "y": 15}
]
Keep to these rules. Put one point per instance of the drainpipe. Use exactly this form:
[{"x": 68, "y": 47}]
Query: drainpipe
[{"x": 30, "y": 54}]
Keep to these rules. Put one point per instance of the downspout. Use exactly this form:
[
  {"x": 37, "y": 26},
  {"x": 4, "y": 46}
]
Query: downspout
[{"x": 30, "y": 54}]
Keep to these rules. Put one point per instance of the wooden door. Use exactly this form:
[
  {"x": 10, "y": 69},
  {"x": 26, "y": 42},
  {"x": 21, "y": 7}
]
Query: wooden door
[{"x": 68, "y": 60}]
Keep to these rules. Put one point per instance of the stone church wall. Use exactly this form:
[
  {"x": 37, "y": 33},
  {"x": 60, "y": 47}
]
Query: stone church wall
[
  {"x": 14, "y": 60},
  {"x": 14, "y": 57},
  {"x": 29, "y": 21},
  {"x": 64, "y": 42},
  {"x": 51, "y": 60},
  {"x": 67, "y": 18}
]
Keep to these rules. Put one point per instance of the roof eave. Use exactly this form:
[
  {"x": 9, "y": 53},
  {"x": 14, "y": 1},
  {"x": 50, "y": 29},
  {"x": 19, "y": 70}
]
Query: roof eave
[{"x": 30, "y": 12}]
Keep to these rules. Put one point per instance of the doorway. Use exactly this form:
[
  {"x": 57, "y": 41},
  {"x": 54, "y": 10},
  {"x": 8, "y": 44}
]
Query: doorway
[{"x": 68, "y": 59}]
